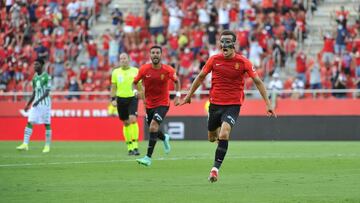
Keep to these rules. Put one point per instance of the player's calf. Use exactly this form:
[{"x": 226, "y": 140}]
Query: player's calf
[{"x": 212, "y": 137}]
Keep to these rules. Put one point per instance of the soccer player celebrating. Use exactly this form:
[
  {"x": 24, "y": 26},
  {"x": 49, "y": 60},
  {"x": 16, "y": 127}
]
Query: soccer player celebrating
[
  {"x": 40, "y": 112},
  {"x": 226, "y": 94},
  {"x": 123, "y": 96},
  {"x": 155, "y": 77}
]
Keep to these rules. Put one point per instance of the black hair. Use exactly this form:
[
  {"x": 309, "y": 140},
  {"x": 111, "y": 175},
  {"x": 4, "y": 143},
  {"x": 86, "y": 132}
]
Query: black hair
[
  {"x": 41, "y": 61},
  {"x": 229, "y": 32},
  {"x": 156, "y": 47}
]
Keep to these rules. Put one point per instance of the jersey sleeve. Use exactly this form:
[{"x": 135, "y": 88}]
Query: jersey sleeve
[
  {"x": 139, "y": 75},
  {"x": 48, "y": 84},
  {"x": 113, "y": 77},
  {"x": 33, "y": 83},
  {"x": 250, "y": 68},
  {"x": 172, "y": 74},
  {"x": 208, "y": 65}
]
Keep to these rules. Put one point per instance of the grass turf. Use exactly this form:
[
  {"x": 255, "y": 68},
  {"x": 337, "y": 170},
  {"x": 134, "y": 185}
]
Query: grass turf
[{"x": 266, "y": 172}]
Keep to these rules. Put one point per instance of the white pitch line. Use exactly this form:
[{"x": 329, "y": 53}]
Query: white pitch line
[
  {"x": 184, "y": 158},
  {"x": 91, "y": 162},
  {"x": 61, "y": 163}
]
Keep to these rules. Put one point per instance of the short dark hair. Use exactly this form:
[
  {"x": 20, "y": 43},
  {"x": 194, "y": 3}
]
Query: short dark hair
[
  {"x": 156, "y": 47},
  {"x": 229, "y": 32},
  {"x": 41, "y": 61}
]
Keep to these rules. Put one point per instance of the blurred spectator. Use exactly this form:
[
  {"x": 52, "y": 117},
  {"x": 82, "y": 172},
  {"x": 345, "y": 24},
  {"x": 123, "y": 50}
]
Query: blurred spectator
[
  {"x": 341, "y": 35},
  {"x": 275, "y": 85},
  {"x": 93, "y": 54},
  {"x": 211, "y": 33},
  {"x": 339, "y": 83},
  {"x": 197, "y": 36},
  {"x": 315, "y": 76},
  {"x": 113, "y": 50},
  {"x": 342, "y": 16},
  {"x": 255, "y": 52},
  {"x": 58, "y": 74},
  {"x": 204, "y": 14},
  {"x": 346, "y": 61},
  {"x": 298, "y": 87},
  {"x": 156, "y": 24},
  {"x": 41, "y": 51},
  {"x": 301, "y": 66},
  {"x": 223, "y": 11},
  {"x": 117, "y": 16},
  {"x": 175, "y": 17},
  {"x": 186, "y": 59},
  {"x": 73, "y": 9},
  {"x": 74, "y": 86},
  {"x": 328, "y": 49}
]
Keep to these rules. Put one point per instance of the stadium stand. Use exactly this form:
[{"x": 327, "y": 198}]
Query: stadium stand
[{"x": 308, "y": 44}]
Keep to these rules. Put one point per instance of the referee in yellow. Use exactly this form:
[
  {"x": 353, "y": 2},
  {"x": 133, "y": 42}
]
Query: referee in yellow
[{"x": 124, "y": 97}]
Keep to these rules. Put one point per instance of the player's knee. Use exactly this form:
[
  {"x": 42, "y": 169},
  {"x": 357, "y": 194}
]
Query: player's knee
[
  {"x": 154, "y": 127},
  {"x": 225, "y": 131},
  {"x": 212, "y": 136},
  {"x": 224, "y": 136}
]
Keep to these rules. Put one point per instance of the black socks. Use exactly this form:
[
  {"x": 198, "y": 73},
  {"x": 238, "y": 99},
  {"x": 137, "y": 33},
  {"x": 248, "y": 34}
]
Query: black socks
[{"x": 220, "y": 153}]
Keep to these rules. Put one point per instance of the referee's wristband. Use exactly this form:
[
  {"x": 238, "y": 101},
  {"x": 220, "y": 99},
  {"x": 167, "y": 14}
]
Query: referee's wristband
[
  {"x": 113, "y": 98},
  {"x": 178, "y": 94}
]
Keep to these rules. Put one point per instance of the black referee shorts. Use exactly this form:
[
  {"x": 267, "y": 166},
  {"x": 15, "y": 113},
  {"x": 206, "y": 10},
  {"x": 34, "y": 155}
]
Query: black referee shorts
[
  {"x": 158, "y": 114},
  {"x": 222, "y": 113},
  {"x": 126, "y": 106}
]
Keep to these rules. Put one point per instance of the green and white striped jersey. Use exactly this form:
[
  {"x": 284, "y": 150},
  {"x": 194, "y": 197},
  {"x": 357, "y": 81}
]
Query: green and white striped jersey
[{"x": 40, "y": 84}]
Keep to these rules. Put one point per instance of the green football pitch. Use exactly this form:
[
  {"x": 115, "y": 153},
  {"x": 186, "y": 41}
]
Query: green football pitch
[{"x": 278, "y": 172}]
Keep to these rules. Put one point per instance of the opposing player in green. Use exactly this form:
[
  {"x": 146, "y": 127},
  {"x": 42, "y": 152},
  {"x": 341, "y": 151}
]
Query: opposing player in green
[
  {"x": 124, "y": 97},
  {"x": 40, "y": 112}
]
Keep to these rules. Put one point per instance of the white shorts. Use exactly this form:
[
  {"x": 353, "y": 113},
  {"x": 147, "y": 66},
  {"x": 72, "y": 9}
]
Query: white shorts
[{"x": 40, "y": 115}]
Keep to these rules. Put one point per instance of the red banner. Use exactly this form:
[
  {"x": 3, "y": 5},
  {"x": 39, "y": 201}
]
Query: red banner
[
  {"x": 106, "y": 129},
  {"x": 284, "y": 107},
  {"x": 90, "y": 120}
]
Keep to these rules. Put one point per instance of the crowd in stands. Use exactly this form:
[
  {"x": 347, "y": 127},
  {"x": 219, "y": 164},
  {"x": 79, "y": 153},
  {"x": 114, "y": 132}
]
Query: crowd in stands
[{"x": 270, "y": 33}]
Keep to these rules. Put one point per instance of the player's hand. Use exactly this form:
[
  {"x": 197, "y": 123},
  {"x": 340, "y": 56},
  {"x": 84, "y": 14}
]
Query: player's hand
[
  {"x": 176, "y": 101},
  {"x": 35, "y": 103},
  {"x": 114, "y": 103},
  {"x": 27, "y": 107},
  {"x": 270, "y": 111},
  {"x": 186, "y": 100},
  {"x": 139, "y": 95}
]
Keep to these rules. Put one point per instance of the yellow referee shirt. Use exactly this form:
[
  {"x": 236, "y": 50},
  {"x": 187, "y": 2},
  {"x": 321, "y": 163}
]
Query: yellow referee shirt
[{"x": 123, "y": 79}]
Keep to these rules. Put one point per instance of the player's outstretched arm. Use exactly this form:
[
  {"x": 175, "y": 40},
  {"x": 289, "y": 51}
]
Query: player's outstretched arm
[
  {"x": 261, "y": 87},
  {"x": 178, "y": 94},
  {"x": 197, "y": 82},
  {"x": 27, "y": 107}
]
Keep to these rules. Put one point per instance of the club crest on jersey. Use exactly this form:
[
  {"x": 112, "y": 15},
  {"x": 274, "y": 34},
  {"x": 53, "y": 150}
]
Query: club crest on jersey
[
  {"x": 162, "y": 76},
  {"x": 237, "y": 66}
]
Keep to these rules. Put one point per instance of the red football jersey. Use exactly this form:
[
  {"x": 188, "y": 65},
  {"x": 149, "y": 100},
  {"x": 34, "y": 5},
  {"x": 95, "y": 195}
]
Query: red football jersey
[
  {"x": 228, "y": 78},
  {"x": 156, "y": 83}
]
